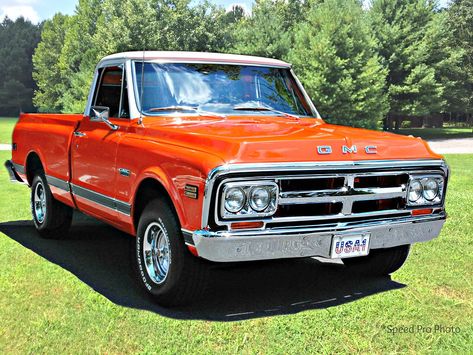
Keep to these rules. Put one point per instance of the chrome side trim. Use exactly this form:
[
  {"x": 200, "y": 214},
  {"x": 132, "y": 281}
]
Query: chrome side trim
[
  {"x": 60, "y": 184},
  {"x": 187, "y": 234},
  {"x": 19, "y": 168},
  {"x": 102, "y": 200},
  {"x": 310, "y": 167},
  {"x": 231, "y": 247},
  {"x": 12, "y": 172}
]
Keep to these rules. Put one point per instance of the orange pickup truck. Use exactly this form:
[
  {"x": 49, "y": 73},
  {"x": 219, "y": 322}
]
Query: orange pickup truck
[{"x": 211, "y": 158}]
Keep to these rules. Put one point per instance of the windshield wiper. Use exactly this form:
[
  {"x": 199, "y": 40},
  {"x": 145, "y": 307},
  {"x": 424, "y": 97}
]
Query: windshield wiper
[
  {"x": 185, "y": 108},
  {"x": 263, "y": 108}
]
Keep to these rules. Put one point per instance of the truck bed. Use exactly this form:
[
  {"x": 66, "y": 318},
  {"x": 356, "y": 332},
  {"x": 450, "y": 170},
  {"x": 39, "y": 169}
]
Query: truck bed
[{"x": 49, "y": 135}]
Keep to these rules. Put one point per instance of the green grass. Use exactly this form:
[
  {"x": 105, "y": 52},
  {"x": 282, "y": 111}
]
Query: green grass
[
  {"x": 6, "y": 128},
  {"x": 45, "y": 308},
  {"x": 438, "y": 133}
]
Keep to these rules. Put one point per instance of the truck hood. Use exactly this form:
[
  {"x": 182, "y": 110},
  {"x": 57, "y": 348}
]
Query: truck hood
[{"x": 257, "y": 139}]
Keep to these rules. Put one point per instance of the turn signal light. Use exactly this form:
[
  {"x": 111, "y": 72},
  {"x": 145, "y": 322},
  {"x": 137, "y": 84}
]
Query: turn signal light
[
  {"x": 246, "y": 225},
  {"x": 422, "y": 211}
]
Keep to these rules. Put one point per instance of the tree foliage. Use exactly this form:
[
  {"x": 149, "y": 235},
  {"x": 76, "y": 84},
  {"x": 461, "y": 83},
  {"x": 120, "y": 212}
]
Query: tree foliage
[
  {"x": 268, "y": 31},
  {"x": 359, "y": 64},
  {"x": 51, "y": 83},
  {"x": 335, "y": 56},
  {"x": 102, "y": 27},
  {"x": 460, "y": 26},
  {"x": 402, "y": 29},
  {"x": 18, "y": 40}
]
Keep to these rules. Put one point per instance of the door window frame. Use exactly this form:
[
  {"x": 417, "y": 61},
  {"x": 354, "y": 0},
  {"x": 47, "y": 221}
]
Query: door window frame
[{"x": 132, "y": 111}]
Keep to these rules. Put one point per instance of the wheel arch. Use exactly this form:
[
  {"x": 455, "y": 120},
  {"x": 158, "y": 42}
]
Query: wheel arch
[
  {"x": 150, "y": 187},
  {"x": 33, "y": 164}
]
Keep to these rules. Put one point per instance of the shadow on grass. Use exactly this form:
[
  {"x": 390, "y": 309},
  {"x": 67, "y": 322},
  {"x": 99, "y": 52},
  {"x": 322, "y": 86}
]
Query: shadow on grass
[{"x": 100, "y": 256}]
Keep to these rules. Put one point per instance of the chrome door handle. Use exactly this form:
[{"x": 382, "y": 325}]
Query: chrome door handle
[{"x": 79, "y": 134}]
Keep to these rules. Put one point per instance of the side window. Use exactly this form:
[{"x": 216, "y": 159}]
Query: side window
[{"x": 112, "y": 92}]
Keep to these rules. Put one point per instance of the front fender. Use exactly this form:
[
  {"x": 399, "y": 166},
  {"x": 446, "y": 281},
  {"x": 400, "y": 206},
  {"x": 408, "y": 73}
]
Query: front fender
[{"x": 163, "y": 179}]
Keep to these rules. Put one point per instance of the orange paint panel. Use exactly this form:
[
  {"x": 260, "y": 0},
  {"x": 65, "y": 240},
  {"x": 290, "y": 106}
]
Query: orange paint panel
[{"x": 180, "y": 150}]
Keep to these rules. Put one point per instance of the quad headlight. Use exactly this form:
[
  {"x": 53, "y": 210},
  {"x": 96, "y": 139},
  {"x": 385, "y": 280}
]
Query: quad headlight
[
  {"x": 425, "y": 190},
  {"x": 234, "y": 199},
  {"x": 249, "y": 199}
]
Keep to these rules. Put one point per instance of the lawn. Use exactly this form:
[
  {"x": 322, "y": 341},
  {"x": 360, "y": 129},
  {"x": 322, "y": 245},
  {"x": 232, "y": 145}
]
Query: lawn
[
  {"x": 77, "y": 295},
  {"x": 438, "y": 133},
  {"x": 6, "y": 128}
]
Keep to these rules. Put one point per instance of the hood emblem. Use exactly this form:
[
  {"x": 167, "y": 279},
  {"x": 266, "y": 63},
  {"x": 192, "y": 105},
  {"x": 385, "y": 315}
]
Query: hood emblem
[{"x": 327, "y": 149}]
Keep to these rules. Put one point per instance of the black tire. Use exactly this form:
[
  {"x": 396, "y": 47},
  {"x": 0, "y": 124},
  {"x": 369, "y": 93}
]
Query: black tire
[
  {"x": 379, "y": 262},
  {"x": 186, "y": 276},
  {"x": 56, "y": 220}
]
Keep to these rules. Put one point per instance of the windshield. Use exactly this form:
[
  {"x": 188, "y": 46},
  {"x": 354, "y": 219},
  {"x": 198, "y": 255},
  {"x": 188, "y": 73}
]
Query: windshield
[{"x": 219, "y": 88}]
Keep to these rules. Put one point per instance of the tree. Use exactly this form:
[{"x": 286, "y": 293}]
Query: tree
[
  {"x": 335, "y": 56},
  {"x": 460, "y": 25},
  {"x": 79, "y": 54},
  {"x": 47, "y": 72},
  {"x": 18, "y": 40},
  {"x": 447, "y": 59},
  {"x": 268, "y": 31},
  {"x": 103, "y": 27},
  {"x": 401, "y": 27}
]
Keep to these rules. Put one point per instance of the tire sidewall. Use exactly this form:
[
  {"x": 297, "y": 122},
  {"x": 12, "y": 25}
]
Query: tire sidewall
[
  {"x": 159, "y": 213},
  {"x": 47, "y": 222}
]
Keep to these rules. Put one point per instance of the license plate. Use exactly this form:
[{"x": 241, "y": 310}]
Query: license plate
[{"x": 348, "y": 246}]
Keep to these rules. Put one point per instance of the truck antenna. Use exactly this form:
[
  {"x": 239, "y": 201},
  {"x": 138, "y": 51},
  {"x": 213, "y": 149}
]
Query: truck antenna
[{"x": 140, "y": 121}]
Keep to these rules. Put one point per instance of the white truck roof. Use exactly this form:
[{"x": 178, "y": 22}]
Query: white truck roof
[{"x": 199, "y": 57}]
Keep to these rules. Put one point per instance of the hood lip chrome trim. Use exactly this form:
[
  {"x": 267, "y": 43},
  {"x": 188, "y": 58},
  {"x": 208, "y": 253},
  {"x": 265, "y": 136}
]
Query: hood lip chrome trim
[{"x": 315, "y": 165}]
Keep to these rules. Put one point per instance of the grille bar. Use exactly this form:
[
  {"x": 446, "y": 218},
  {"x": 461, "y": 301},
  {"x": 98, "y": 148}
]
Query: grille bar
[{"x": 341, "y": 195}]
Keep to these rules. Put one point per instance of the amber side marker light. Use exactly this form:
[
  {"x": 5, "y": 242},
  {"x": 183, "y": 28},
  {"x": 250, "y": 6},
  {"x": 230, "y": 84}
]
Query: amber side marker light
[
  {"x": 246, "y": 225},
  {"x": 422, "y": 211}
]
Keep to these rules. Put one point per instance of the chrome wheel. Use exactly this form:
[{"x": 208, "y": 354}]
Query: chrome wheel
[
  {"x": 156, "y": 252},
  {"x": 39, "y": 203}
]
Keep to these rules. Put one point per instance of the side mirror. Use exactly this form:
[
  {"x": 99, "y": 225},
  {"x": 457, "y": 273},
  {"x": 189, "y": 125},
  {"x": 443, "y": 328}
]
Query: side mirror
[{"x": 102, "y": 114}]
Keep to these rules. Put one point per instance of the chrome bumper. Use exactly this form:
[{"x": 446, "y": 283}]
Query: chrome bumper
[{"x": 263, "y": 245}]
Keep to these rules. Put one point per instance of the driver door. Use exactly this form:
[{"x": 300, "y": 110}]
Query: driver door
[{"x": 95, "y": 143}]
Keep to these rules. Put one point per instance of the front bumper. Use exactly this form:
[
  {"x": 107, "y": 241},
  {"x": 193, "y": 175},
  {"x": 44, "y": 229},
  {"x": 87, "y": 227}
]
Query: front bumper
[{"x": 264, "y": 245}]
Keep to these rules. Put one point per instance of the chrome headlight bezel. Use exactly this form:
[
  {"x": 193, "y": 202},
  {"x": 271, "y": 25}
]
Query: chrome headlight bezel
[
  {"x": 423, "y": 200},
  {"x": 247, "y": 211}
]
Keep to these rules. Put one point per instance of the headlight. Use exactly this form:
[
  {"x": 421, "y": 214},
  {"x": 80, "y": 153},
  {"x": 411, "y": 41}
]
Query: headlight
[
  {"x": 425, "y": 190},
  {"x": 234, "y": 199},
  {"x": 259, "y": 198},
  {"x": 431, "y": 189},
  {"x": 249, "y": 199},
  {"x": 415, "y": 190}
]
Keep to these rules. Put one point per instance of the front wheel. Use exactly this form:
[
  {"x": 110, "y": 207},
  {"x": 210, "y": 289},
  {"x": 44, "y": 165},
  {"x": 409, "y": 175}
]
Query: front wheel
[
  {"x": 379, "y": 262},
  {"x": 164, "y": 265},
  {"x": 51, "y": 218}
]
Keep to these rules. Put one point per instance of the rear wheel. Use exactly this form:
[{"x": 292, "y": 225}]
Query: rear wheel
[
  {"x": 379, "y": 262},
  {"x": 164, "y": 265},
  {"x": 51, "y": 218}
]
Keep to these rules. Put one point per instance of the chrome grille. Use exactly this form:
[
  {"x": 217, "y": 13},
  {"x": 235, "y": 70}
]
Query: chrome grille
[
  {"x": 322, "y": 194},
  {"x": 348, "y": 194}
]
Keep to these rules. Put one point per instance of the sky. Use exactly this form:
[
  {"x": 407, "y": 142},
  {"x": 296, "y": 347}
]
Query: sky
[{"x": 39, "y": 10}]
